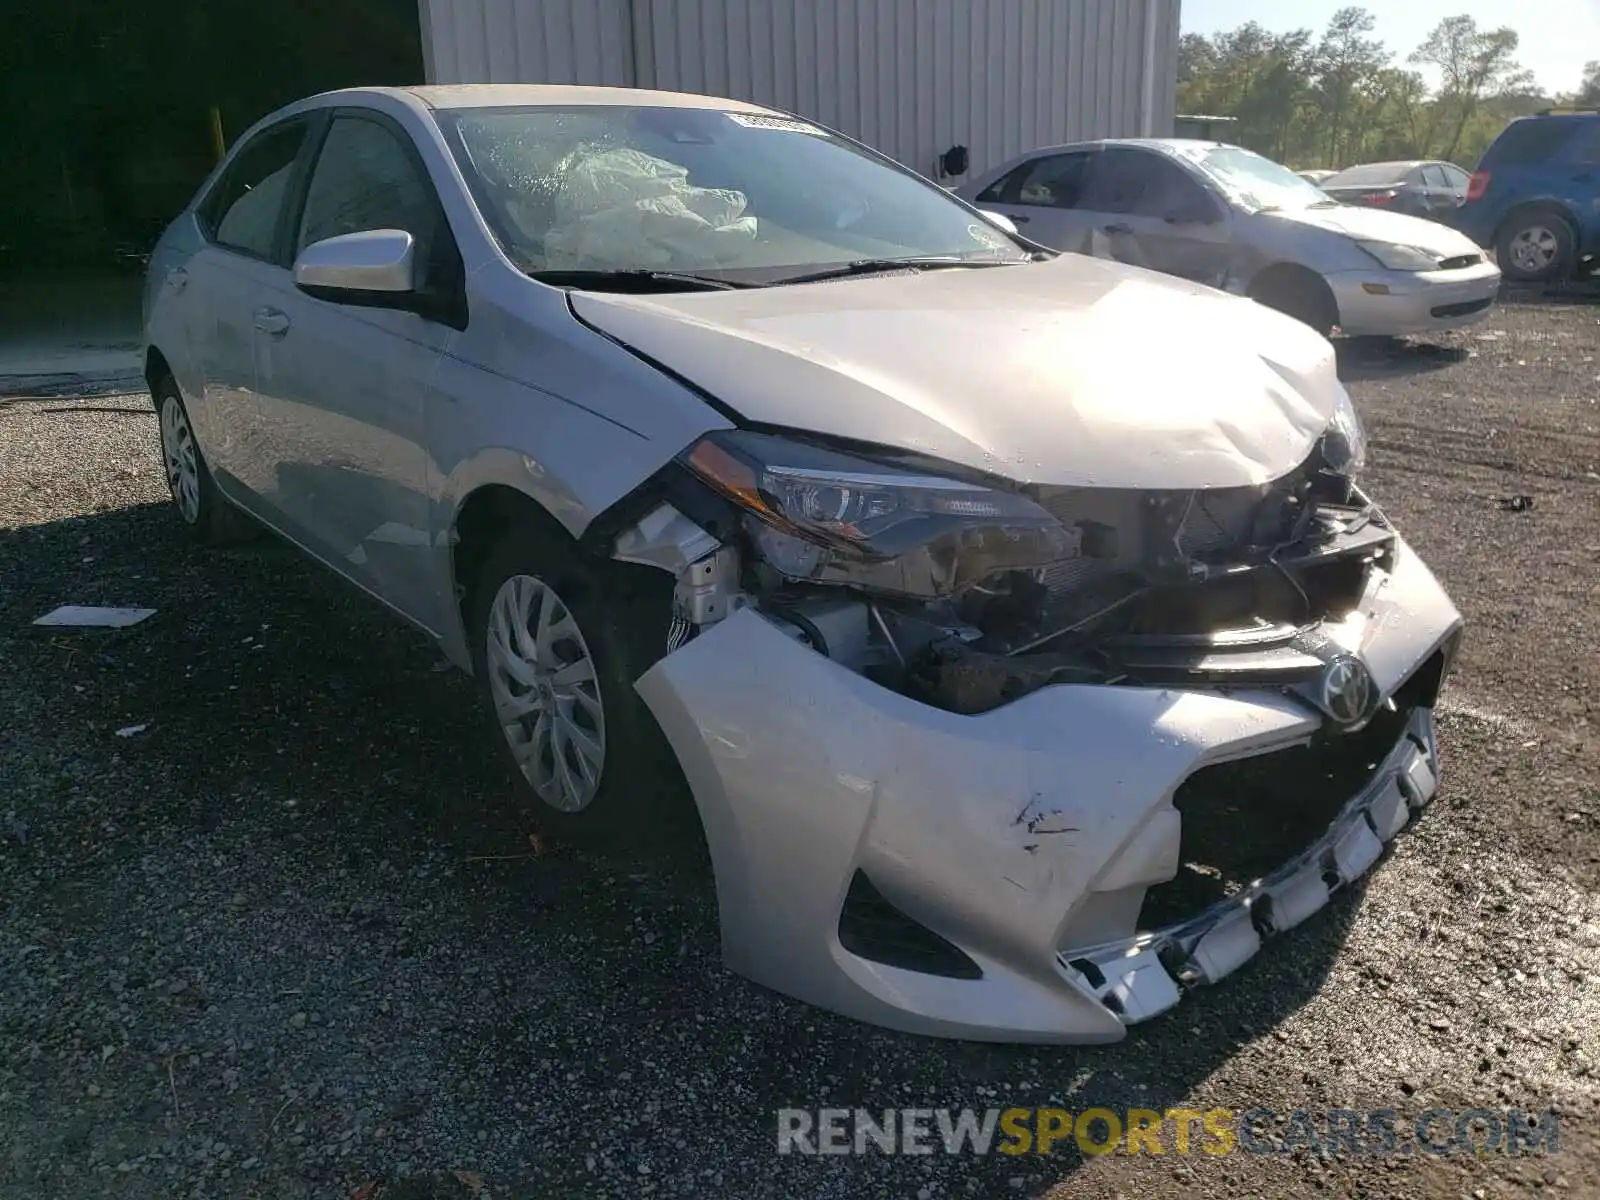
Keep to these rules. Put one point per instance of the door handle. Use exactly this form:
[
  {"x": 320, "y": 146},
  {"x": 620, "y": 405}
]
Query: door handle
[
  {"x": 177, "y": 277},
  {"x": 272, "y": 321},
  {"x": 1116, "y": 227}
]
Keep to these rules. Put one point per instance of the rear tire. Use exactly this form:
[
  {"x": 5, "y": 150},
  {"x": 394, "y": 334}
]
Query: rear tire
[
  {"x": 1536, "y": 245},
  {"x": 558, "y": 640},
  {"x": 1298, "y": 293},
  {"x": 207, "y": 517}
]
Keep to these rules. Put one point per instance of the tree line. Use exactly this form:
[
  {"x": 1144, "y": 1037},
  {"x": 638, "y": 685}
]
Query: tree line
[{"x": 1343, "y": 97}]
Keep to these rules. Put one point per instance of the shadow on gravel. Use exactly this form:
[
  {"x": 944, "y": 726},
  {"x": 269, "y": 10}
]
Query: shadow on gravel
[
  {"x": 298, "y": 728},
  {"x": 1383, "y": 357},
  {"x": 1577, "y": 291}
]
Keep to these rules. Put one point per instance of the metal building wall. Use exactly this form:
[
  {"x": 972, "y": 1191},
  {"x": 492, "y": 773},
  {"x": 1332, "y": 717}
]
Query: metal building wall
[
  {"x": 910, "y": 77},
  {"x": 528, "y": 41}
]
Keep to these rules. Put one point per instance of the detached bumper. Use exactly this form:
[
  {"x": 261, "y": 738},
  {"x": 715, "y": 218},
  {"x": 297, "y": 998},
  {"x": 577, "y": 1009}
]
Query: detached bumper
[
  {"x": 1023, "y": 839},
  {"x": 1407, "y": 302}
]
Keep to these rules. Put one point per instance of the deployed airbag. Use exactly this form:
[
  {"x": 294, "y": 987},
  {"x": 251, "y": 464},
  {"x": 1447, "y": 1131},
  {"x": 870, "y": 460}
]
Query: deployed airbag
[{"x": 622, "y": 206}]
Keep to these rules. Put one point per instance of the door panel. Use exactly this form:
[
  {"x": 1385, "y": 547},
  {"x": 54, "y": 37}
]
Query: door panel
[
  {"x": 1437, "y": 197},
  {"x": 343, "y": 388},
  {"x": 242, "y": 218},
  {"x": 229, "y": 426}
]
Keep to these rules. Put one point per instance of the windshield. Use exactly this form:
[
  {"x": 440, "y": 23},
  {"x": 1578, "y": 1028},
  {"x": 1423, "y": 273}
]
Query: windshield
[
  {"x": 1371, "y": 175},
  {"x": 1256, "y": 182},
  {"x": 737, "y": 196}
]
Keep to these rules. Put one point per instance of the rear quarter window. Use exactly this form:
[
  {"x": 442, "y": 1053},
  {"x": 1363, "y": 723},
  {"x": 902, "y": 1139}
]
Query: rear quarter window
[{"x": 1529, "y": 143}]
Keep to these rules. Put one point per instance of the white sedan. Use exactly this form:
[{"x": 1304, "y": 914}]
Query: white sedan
[
  {"x": 1014, "y": 620},
  {"x": 1226, "y": 217}
]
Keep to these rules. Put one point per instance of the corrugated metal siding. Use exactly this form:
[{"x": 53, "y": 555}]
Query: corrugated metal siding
[
  {"x": 911, "y": 77},
  {"x": 528, "y": 41}
]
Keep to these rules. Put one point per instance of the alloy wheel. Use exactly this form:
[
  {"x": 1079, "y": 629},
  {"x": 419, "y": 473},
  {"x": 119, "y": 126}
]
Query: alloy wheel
[
  {"x": 1533, "y": 249},
  {"x": 182, "y": 461},
  {"x": 546, "y": 693}
]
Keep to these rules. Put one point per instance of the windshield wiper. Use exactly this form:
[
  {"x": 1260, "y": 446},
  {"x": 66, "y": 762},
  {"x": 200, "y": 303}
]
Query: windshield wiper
[
  {"x": 632, "y": 277},
  {"x": 870, "y": 266}
]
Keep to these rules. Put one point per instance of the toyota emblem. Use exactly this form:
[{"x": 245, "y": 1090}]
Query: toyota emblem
[{"x": 1346, "y": 690}]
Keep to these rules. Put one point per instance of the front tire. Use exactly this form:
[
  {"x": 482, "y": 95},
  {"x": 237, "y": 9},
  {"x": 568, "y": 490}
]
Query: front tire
[
  {"x": 1298, "y": 293},
  {"x": 207, "y": 517},
  {"x": 1537, "y": 246},
  {"x": 557, "y": 643}
]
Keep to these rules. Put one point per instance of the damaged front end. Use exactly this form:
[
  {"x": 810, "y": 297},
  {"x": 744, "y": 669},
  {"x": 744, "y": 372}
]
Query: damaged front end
[{"x": 946, "y": 732}]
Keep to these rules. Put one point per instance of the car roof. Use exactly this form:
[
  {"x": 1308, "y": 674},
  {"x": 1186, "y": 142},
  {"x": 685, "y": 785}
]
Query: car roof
[
  {"x": 1399, "y": 164},
  {"x": 1173, "y": 146},
  {"x": 517, "y": 95}
]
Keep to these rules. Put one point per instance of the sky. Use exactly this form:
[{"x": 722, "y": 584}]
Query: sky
[{"x": 1558, "y": 36}]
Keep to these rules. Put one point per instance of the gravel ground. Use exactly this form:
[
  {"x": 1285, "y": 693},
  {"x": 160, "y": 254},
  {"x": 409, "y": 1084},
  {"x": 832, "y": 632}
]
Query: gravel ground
[{"x": 290, "y": 937}]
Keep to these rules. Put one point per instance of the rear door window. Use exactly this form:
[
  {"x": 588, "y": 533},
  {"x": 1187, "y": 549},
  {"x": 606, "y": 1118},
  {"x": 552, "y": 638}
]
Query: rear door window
[
  {"x": 1528, "y": 142},
  {"x": 244, "y": 209},
  {"x": 1050, "y": 181},
  {"x": 1055, "y": 181},
  {"x": 1435, "y": 177},
  {"x": 1004, "y": 189}
]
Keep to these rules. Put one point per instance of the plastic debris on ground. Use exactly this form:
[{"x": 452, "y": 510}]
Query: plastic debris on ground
[{"x": 89, "y": 616}]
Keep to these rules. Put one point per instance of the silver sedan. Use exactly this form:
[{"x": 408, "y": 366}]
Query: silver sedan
[
  {"x": 1015, "y": 621},
  {"x": 1227, "y": 217}
]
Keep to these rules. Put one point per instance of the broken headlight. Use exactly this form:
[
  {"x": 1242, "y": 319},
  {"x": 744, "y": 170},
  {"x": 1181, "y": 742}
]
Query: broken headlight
[
  {"x": 1344, "y": 442},
  {"x": 821, "y": 516}
]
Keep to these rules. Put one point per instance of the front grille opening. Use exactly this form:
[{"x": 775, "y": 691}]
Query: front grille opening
[
  {"x": 1317, "y": 591},
  {"x": 872, "y": 928},
  {"x": 1465, "y": 308},
  {"x": 1242, "y": 820}
]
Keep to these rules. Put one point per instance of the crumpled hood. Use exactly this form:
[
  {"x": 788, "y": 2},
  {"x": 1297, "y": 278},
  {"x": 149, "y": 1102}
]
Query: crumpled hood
[
  {"x": 1072, "y": 372},
  {"x": 1375, "y": 225}
]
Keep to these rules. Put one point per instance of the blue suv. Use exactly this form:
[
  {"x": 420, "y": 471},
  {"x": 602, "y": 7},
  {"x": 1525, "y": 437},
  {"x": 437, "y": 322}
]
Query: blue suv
[{"x": 1536, "y": 196}]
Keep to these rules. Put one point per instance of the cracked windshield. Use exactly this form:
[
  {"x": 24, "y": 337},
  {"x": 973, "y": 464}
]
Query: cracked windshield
[{"x": 745, "y": 196}]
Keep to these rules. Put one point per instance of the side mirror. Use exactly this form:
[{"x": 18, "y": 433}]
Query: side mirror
[
  {"x": 1001, "y": 221},
  {"x": 375, "y": 267}
]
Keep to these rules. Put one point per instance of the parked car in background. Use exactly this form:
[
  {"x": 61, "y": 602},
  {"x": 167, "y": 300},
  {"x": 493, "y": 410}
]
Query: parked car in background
[
  {"x": 1315, "y": 176},
  {"x": 971, "y": 588},
  {"x": 1418, "y": 189},
  {"x": 1535, "y": 197},
  {"x": 1227, "y": 217}
]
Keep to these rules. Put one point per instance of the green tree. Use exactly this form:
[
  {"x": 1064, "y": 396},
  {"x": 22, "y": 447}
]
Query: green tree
[
  {"x": 1474, "y": 65},
  {"x": 1588, "y": 93},
  {"x": 1348, "y": 66}
]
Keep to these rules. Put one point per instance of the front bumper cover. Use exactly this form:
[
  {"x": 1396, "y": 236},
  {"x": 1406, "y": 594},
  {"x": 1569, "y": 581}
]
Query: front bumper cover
[
  {"x": 1026, "y": 837},
  {"x": 1393, "y": 303}
]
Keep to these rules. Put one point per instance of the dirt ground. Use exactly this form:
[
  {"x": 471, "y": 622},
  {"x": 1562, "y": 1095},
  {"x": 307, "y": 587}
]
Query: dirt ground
[{"x": 270, "y": 925}]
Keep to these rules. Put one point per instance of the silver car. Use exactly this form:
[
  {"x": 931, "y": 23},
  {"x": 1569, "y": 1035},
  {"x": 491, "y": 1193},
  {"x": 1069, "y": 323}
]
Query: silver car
[
  {"x": 1226, "y": 217},
  {"x": 1015, "y": 621}
]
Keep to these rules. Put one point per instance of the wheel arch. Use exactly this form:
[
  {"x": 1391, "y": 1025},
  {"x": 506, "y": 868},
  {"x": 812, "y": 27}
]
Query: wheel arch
[
  {"x": 1546, "y": 204},
  {"x": 156, "y": 368},
  {"x": 1287, "y": 274},
  {"x": 483, "y": 519}
]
